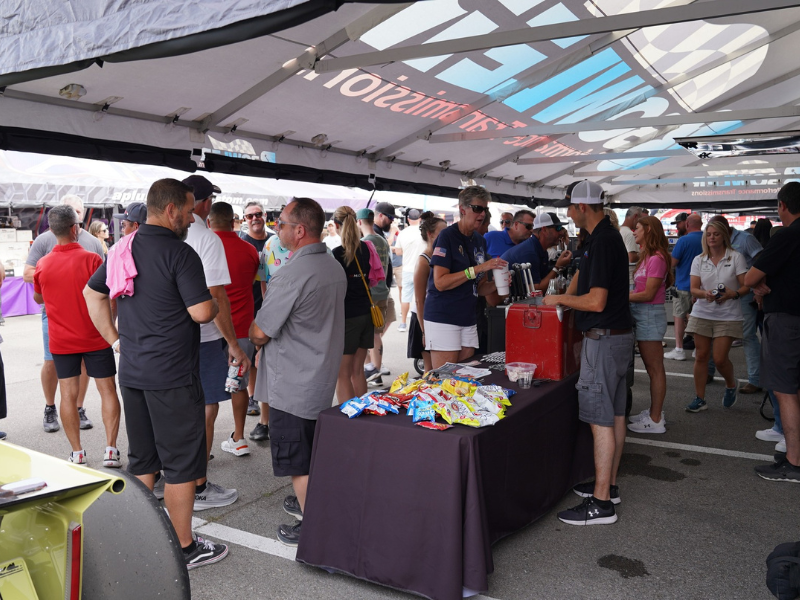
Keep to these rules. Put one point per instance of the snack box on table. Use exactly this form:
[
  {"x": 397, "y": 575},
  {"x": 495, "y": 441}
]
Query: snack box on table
[{"x": 534, "y": 334}]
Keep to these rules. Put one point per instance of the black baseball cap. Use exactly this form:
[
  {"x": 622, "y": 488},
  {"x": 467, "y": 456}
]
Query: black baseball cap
[
  {"x": 567, "y": 196},
  {"x": 136, "y": 212},
  {"x": 680, "y": 218},
  {"x": 385, "y": 209},
  {"x": 202, "y": 187}
]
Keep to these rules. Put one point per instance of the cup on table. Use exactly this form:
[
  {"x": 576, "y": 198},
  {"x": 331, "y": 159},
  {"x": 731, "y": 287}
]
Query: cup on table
[
  {"x": 524, "y": 379},
  {"x": 501, "y": 280}
]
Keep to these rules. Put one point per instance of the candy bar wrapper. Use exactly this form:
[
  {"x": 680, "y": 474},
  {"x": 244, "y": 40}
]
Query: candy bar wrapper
[
  {"x": 399, "y": 383},
  {"x": 431, "y": 425},
  {"x": 353, "y": 407}
]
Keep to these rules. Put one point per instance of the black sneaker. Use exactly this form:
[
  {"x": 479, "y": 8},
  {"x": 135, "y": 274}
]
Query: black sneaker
[
  {"x": 688, "y": 342},
  {"x": 260, "y": 433},
  {"x": 292, "y": 506},
  {"x": 253, "y": 410},
  {"x": 370, "y": 374},
  {"x": 2, "y": 435},
  {"x": 588, "y": 512},
  {"x": 586, "y": 490},
  {"x": 780, "y": 470},
  {"x": 290, "y": 534},
  {"x": 375, "y": 381},
  {"x": 205, "y": 553},
  {"x": 86, "y": 422}
]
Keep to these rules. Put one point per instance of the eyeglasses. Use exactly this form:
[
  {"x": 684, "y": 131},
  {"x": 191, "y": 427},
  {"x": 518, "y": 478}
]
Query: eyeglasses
[
  {"x": 279, "y": 223},
  {"x": 478, "y": 208},
  {"x": 252, "y": 216}
]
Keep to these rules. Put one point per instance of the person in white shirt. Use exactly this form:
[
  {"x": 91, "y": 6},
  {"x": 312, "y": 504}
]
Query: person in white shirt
[
  {"x": 333, "y": 239},
  {"x": 215, "y": 355},
  {"x": 410, "y": 245},
  {"x": 631, "y": 218},
  {"x": 716, "y": 315}
]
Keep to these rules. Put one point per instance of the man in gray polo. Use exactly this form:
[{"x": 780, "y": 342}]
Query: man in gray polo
[{"x": 301, "y": 328}]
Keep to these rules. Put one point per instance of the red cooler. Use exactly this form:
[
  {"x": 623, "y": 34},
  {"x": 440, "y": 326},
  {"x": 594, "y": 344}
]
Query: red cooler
[{"x": 535, "y": 335}]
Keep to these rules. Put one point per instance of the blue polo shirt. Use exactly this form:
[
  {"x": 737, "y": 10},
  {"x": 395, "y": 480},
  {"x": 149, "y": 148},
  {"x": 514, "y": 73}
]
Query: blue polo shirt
[
  {"x": 530, "y": 251},
  {"x": 455, "y": 251},
  {"x": 498, "y": 242},
  {"x": 686, "y": 248}
]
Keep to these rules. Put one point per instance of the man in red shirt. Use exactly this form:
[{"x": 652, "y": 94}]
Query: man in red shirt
[
  {"x": 58, "y": 283},
  {"x": 242, "y": 261}
]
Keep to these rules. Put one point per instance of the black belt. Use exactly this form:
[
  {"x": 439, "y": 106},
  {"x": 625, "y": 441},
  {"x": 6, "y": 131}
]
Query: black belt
[{"x": 596, "y": 334}]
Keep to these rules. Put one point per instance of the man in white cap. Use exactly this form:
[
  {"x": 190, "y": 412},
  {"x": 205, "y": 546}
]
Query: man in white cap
[
  {"x": 547, "y": 230},
  {"x": 599, "y": 295}
]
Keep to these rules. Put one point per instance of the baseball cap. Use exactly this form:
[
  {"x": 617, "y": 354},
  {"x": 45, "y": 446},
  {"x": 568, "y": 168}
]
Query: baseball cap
[
  {"x": 547, "y": 220},
  {"x": 365, "y": 213},
  {"x": 680, "y": 218},
  {"x": 385, "y": 209},
  {"x": 414, "y": 214},
  {"x": 587, "y": 192},
  {"x": 567, "y": 196},
  {"x": 136, "y": 212},
  {"x": 202, "y": 187}
]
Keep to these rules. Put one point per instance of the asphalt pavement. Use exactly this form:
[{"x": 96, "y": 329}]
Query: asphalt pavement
[{"x": 695, "y": 521}]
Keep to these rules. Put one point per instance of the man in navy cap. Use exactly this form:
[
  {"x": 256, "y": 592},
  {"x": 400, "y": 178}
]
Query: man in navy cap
[{"x": 135, "y": 214}]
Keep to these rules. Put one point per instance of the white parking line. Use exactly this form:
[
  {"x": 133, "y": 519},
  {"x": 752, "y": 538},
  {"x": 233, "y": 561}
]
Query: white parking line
[
  {"x": 258, "y": 542},
  {"x": 701, "y": 449},
  {"x": 688, "y": 375}
]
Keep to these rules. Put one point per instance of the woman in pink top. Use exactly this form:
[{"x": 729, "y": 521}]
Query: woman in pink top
[{"x": 651, "y": 278}]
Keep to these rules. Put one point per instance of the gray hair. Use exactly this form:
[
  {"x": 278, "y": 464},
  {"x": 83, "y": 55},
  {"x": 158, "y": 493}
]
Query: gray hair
[
  {"x": 635, "y": 211},
  {"x": 472, "y": 192},
  {"x": 61, "y": 219},
  {"x": 253, "y": 203}
]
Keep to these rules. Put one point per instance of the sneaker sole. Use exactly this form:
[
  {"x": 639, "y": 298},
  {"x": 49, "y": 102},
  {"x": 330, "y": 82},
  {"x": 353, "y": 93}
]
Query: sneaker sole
[
  {"x": 258, "y": 438},
  {"x": 771, "y": 478},
  {"x": 599, "y": 521},
  {"x": 86, "y": 426},
  {"x": 373, "y": 377},
  {"x": 253, "y": 413},
  {"x": 697, "y": 410},
  {"x": 206, "y": 504},
  {"x": 631, "y": 427},
  {"x": 209, "y": 561},
  {"x": 298, "y": 516},
  {"x": 286, "y": 542},
  {"x": 52, "y": 429},
  {"x": 235, "y": 451},
  {"x": 768, "y": 438},
  {"x": 112, "y": 464},
  {"x": 614, "y": 501}
]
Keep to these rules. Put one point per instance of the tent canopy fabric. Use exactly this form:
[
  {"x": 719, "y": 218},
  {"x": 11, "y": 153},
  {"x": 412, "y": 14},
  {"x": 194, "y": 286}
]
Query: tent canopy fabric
[{"x": 522, "y": 96}]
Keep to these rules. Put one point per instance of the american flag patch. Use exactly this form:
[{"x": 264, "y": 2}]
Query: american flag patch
[{"x": 440, "y": 252}]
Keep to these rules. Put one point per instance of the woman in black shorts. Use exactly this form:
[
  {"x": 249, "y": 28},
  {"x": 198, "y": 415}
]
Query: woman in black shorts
[{"x": 429, "y": 228}]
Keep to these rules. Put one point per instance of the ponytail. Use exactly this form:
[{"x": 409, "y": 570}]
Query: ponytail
[{"x": 350, "y": 233}]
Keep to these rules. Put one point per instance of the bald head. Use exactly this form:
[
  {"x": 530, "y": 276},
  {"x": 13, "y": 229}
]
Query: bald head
[{"x": 694, "y": 222}]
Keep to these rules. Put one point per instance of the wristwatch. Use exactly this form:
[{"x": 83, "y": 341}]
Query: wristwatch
[{"x": 738, "y": 295}]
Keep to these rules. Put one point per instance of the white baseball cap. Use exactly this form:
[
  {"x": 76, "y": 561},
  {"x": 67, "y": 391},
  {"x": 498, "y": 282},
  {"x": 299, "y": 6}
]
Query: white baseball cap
[
  {"x": 547, "y": 220},
  {"x": 587, "y": 192}
]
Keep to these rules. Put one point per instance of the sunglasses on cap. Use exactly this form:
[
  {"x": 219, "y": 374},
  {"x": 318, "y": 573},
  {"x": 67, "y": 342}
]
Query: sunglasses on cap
[
  {"x": 256, "y": 215},
  {"x": 478, "y": 208}
]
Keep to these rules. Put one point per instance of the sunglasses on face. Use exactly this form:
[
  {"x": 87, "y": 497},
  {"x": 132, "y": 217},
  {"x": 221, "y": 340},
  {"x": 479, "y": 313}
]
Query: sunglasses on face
[
  {"x": 251, "y": 216},
  {"x": 505, "y": 221},
  {"x": 528, "y": 226},
  {"x": 478, "y": 208}
]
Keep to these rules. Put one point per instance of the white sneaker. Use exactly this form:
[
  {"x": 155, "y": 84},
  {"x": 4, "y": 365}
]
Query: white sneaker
[
  {"x": 239, "y": 448},
  {"x": 646, "y": 425},
  {"x": 78, "y": 458},
  {"x": 111, "y": 458},
  {"x": 214, "y": 496},
  {"x": 676, "y": 354},
  {"x": 645, "y": 413},
  {"x": 781, "y": 446},
  {"x": 694, "y": 353},
  {"x": 769, "y": 435}
]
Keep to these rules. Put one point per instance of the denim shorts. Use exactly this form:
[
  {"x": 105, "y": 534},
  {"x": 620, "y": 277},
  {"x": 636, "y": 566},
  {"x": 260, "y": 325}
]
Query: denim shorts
[{"x": 650, "y": 321}]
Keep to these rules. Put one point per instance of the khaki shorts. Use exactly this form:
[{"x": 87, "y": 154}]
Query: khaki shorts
[
  {"x": 398, "y": 276},
  {"x": 714, "y": 329},
  {"x": 681, "y": 303},
  {"x": 389, "y": 314}
]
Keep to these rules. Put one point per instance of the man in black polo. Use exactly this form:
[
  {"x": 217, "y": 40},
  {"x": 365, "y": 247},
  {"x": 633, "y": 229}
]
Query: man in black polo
[
  {"x": 599, "y": 295},
  {"x": 159, "y": 346},
  {"x": 775, "y": 278}
]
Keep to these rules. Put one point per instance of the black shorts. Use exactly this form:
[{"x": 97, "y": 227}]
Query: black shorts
[
  {"x": 99, "y": 364},
  {"x": 780, "y": 353},
  {"x": 359, "y": 332},
  {"x": 166, "y": 430},
  {"x": 290, "y": 440},
  {"x": 415, "y": 343}
]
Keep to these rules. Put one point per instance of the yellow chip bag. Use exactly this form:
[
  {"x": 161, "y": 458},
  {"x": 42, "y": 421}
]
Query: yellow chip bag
[
  {"x": 399, "y": 382},
  {"x": 456, "y": 387},
  {"x": 412, "y": 387}
]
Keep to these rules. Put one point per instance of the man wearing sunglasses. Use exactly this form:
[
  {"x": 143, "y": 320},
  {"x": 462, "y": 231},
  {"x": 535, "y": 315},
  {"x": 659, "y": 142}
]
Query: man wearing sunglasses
[
  {"x": 506, "y": 219},
  {"x": 500, "y": 242},
  {"x": 547, "y": 230}
]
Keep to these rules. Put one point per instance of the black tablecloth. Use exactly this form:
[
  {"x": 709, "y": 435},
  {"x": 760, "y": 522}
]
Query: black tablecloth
[{"x": 418, "y": 510}]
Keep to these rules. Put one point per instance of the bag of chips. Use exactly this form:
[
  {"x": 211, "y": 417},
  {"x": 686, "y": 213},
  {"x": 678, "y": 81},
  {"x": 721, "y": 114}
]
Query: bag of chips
[
  {"x": 399, "y": 382},
  {"x": 458, "y": 387},
  {"x": 354, "y": 407},
  {"x": 424, "y": 412},
  {"x": 437, "y": 426}
]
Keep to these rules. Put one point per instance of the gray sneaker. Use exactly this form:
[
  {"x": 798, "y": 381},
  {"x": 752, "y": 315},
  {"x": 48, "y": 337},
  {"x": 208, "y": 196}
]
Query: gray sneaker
[
  {"x": 158, "y": 488},
  {"x": 86, "y": 423},
  {"x": 50, "y": 422},
  {"x": 214, "y": 496}
]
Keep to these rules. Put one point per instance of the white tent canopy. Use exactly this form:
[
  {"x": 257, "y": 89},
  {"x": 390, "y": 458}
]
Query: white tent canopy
[{"x": 522, "y": 96}]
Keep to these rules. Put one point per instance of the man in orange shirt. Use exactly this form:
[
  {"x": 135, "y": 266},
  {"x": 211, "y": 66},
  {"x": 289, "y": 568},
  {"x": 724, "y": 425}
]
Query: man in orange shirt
[
  {"x": 242, "y": 261},
  {"x": 58, "y": 283}
]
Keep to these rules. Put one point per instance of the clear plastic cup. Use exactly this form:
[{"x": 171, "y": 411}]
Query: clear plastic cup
[{"x": 524, "y": 380}]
